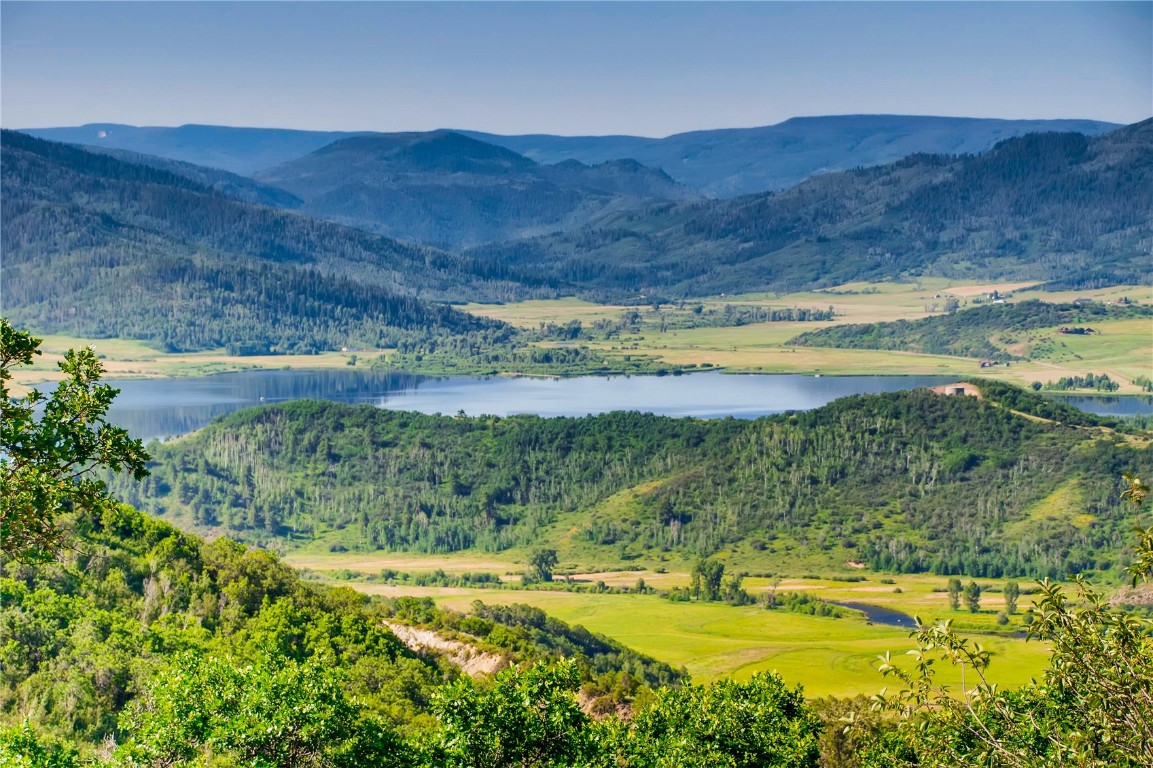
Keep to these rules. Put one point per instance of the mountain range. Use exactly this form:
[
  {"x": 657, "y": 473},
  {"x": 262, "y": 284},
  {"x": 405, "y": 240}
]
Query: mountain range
[
  {"x": 1055, "y": 206},
  {"x": 112, "y": 242},
  {"x": 95, "y": 246},
  {"x": 718, "y": 163},
  {"x": 447, "y": 189}
]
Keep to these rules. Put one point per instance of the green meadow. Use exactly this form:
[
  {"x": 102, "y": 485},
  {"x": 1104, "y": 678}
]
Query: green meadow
[
  {"x": 1123, "y": 349},
  {"x": 828, "y": 656}
]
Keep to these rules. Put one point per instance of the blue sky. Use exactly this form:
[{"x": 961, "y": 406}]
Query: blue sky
[{"x": 649, "y": 68}]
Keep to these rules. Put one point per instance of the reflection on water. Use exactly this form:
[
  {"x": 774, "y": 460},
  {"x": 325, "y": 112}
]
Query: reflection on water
[
  {"x": 162, "y": 408},
  {"x": 1109, "y": 405},
  {"x": 878, "y": 615}
]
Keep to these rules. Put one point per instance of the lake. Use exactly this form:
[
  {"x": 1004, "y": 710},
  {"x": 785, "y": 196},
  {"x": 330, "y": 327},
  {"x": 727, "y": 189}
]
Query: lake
[{"x": 163, "y": 408}]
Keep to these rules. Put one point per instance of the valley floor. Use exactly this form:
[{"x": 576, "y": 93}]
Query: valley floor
[
  {"x": 1122, "y": 350},
  {"x": 828, "y": 656}
]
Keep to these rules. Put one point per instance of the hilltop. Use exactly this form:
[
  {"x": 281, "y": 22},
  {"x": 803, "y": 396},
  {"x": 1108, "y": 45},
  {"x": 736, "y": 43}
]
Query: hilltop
[
  {"x": 95, "y": 246},
  {"x": 448, "y": 189},
  {"x": 907, "y": 481},
  {"x": 1059, "y": 207}
]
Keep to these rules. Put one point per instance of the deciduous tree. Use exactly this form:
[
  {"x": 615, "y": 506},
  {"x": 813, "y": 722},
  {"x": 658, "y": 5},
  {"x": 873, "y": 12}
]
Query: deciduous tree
[{"x": 50, "y": 446}]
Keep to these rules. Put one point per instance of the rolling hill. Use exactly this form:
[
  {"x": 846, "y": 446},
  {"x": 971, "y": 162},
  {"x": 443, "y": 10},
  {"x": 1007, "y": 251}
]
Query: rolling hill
[
  {"x": 906, "y": 481},
  {"x": 1057, "y": 207},
  {"x": 968, "y": 333},
  {"x": 446, "y": 189},
  {"x": 94, "y": 246}
]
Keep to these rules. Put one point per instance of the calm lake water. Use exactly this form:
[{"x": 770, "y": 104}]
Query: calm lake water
[{"x": 162, "y": 408}]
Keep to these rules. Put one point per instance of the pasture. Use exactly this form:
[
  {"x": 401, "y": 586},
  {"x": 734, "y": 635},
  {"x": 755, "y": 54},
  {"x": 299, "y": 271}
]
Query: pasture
[
  {"x": 1123, "y": 348},
  {"x": 828, "y": 656}
]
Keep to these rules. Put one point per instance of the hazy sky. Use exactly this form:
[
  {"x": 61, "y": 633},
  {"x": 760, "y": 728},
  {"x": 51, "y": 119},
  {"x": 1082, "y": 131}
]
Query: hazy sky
[{"x": 649, "y": 68}]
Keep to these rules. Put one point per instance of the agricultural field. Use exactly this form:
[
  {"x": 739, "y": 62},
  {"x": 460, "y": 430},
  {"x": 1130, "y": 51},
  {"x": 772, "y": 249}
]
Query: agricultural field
[
  {"x": 1123, "y": 348},
  {"x": 828, "y": 656},
  {"x": 130, "y": 359}
]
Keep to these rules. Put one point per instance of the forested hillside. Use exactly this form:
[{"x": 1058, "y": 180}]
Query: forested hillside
[
  {"x": 907, "y": 481},
  {"x": 446, "y": 189},
  {"x": 970, "y": 332},
  {"x": 95, "y": 246},
  {"x": 231, "y": 184},
  {"x": 1057, "y": 207},
  {"x": 139, "y": 606}
]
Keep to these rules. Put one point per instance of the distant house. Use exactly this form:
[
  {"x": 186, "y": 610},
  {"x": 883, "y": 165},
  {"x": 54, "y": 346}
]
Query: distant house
[{"x": 1082, "y": 300}]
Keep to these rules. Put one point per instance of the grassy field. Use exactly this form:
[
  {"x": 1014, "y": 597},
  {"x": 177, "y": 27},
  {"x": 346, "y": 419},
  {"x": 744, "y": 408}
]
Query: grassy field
[
  {"x": 914, "y": 594},
  {"x": 128, "y": 359},
  {"x": 827, "y": 656},
  {"x": 1124, "y": 349}
]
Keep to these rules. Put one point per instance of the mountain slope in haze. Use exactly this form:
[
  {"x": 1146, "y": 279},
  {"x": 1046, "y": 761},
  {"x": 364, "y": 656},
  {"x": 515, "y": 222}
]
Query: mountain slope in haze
[
  {"x": 94, "y": 246},
  {"x": 719, "y": 163},
  {"x": 906, "y": 481},
  {"x": 448, "y": 189},
  {"x": 239, "y": 150},
  {"x": 1037, "y": 207},
  {"x": 225, "y": 182},
  {"x": 738, "y": 161}
]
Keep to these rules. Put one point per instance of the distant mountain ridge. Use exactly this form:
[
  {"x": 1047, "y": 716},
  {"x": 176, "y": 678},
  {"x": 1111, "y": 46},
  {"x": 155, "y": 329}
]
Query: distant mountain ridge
[
  {"x": 226, "y": 182},
  {"x": 238, "y": 150},
  {"x": 737, "y": 161},
  {"x": 719, "y": 163},
  {"x": 447, "y": 189},
  {"x": 1058, "y": 207},
  {"x": 95, "y": 246}
]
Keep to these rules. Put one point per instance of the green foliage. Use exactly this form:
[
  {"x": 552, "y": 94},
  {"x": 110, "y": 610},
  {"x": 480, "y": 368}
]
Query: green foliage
[
  {"x": 955, "y": 594},
  {"x": 526, "y": 634},
  {"x": 706, "y": 579},
  {"x": 46, "y": 460},
  {"x": 1012, "y": 593},
  {"x": 914, "y": 480},
  {"x": 87, "y": 237},
  {"x": 1100, "y": 383},
  {"x": 972, "y": 596},
  {"x": 804, "y": 603},
  {"x": 541, "y": 564},
  {"x": 756, "y": 724},
  {"x": 84, "y": 635},
  {"x": 23, "y": 747},
  {"x": 1090, "y": 710},
  {"x": 528, "y": 718},
  {"x": 273, "y": 713},
  {"x": 503, "y": 349}
]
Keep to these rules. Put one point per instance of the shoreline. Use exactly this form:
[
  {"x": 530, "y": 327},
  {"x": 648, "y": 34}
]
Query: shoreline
[{"x": 166, "y": 366}]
